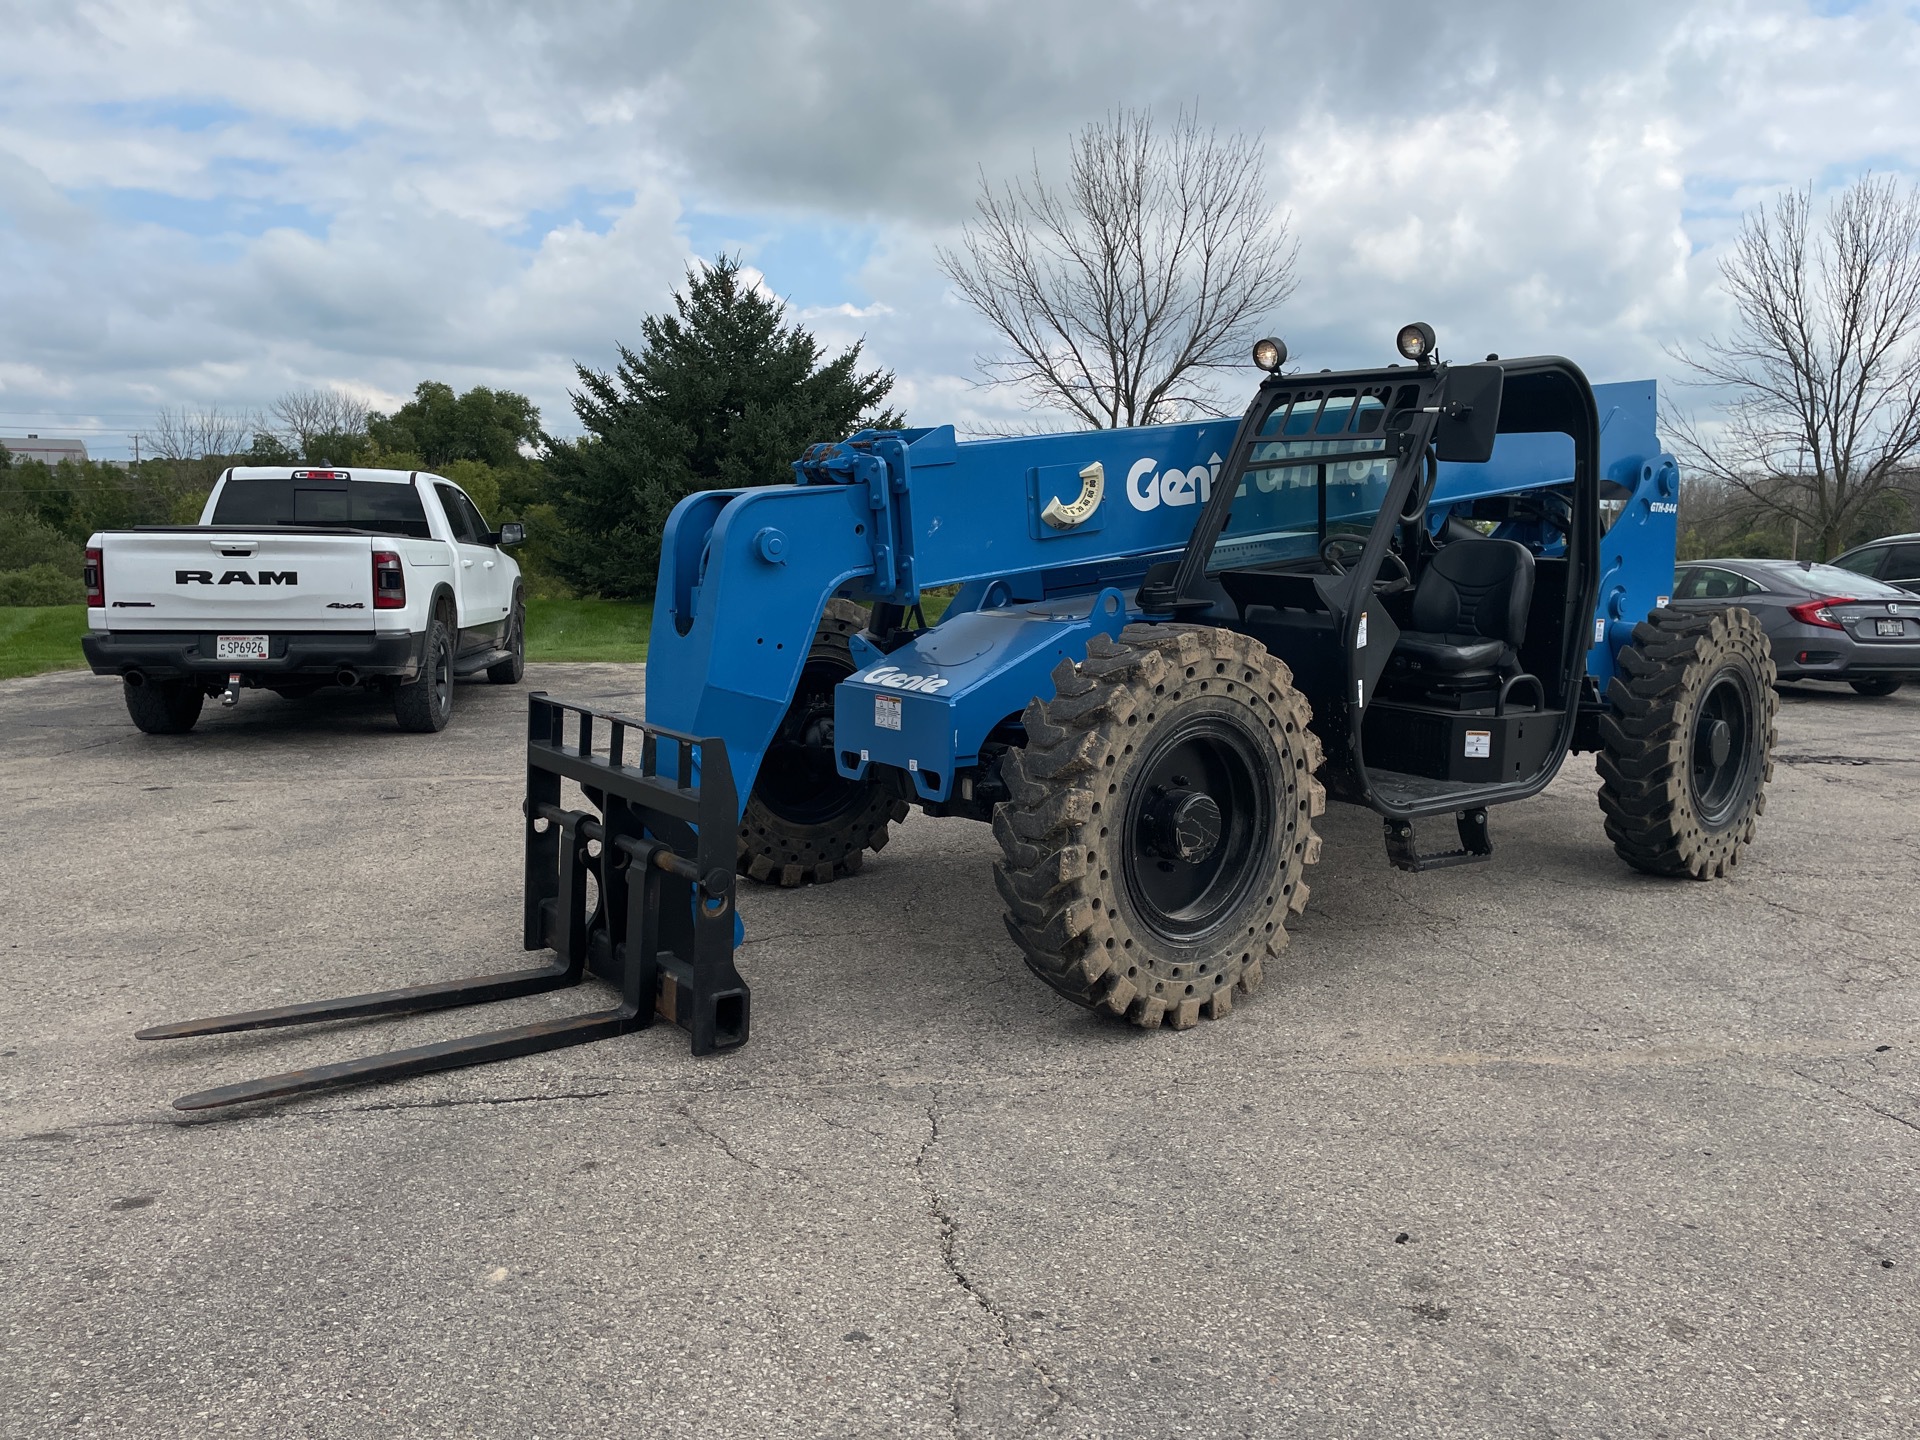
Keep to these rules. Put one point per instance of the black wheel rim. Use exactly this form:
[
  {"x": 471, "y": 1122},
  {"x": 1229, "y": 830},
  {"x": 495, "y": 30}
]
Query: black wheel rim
[
  {"x": 1722, "y": 749},
  {"x": 517, "y": 632},
  {"x": 1197, "y": 825},
  {"x": 442, "y": 674},
  {"x": 798, "y": 780}
]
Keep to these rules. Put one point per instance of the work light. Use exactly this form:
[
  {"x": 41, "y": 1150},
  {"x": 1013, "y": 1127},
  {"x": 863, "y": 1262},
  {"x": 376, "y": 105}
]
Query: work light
[
  {"x": 1270, "y": 355},
  {"x": 1415, "y": 341}
]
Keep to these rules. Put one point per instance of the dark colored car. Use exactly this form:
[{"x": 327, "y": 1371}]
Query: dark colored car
[
  {"x": 1825, "y": 623},
  {"x": 1892, "y": 559}
]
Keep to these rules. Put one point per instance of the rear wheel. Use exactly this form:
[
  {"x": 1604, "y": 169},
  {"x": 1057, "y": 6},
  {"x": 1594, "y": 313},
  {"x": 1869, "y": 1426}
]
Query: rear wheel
[
  {"x": 1688, "y": 748},
  {"x": 164, "y": 707},
  {"x": 804, "y": 820},
  {"x": 1161, "y": 821},
  {"x": 424, "y": 705},
  {"x": 1879, "y": 685}
]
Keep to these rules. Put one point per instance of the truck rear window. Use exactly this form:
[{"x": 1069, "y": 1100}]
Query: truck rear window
[{"x": 379, "y": 505}]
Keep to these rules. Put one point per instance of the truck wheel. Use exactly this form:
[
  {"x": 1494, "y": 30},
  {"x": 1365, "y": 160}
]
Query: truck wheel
[
  {"x": 164, "y": 707},
  {"x": 804, "y": 820},
  {"x": 509, "y": 671},
  {"x": 1161, "y": 819},
  {"x": 1879, "y": 685},
  {"x": 1688, "y": 748},
  {"x": 424, "y": 705}
]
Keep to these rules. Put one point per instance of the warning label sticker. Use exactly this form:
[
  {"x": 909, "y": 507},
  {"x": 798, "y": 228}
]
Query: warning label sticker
[
  {"x": 886, "y": 712},
  {"x": 1479, "y": 744}
]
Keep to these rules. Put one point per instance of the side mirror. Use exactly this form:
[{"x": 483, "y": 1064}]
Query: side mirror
[
  {"x": 512, "y": 533},
  {"x": 1469, "y": 413}
]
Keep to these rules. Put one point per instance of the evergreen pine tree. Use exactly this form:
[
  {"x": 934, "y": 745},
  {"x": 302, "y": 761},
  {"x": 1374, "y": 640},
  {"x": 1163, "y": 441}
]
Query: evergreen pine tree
[{"x": 723, "y": 393}]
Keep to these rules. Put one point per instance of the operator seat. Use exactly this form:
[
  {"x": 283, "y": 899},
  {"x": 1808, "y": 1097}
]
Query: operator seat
[{"x": 1469, "y": 611}]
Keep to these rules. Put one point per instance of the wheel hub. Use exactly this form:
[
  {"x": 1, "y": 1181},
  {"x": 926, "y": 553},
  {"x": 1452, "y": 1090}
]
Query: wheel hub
[
  {"x": 1183, "y": 825},
  {"x": 1719, "y": 742}
]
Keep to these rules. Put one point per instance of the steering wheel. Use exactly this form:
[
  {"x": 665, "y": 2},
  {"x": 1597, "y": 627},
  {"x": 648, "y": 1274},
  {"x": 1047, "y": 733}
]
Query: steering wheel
[{"x": 1330, "y": 552}]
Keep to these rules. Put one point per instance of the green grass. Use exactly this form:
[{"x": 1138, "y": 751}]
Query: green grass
[
  {"x": 34, "y": 638},
  {"x": 609, "y": 630}
]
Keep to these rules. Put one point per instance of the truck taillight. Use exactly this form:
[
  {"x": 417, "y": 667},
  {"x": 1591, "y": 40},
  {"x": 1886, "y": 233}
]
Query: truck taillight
[
  {"x": 94, "y": 576},
  {"x": 389, "y": 581},
  {"x": 1815, "y": 612}
]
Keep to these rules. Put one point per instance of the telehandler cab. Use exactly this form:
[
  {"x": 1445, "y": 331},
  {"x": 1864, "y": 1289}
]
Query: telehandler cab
[{"x": 1415, "y": 588}]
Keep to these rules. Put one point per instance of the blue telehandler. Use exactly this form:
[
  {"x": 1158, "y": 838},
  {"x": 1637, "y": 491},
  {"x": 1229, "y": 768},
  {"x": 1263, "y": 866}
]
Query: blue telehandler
[{"x": 1415, "y": 588}]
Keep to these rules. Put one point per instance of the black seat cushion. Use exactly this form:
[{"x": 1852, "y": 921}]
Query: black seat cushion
[
  {"x": 1470, "y": 608},
  {"x": 1449, "y": 654}
]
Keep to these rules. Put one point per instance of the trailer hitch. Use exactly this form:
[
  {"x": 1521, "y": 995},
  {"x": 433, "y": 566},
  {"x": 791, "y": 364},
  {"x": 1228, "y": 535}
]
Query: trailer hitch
[
  {"x": 661, "y": 924},
  {"x": 1476, "y": 843}
]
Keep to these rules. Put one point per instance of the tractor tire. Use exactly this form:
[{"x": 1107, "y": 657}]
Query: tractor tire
[
  {"x": 1160, "y": 821},
  {"x": 423, "y": 706},
  {"x": 804, "y": 821},
  {"x": 164, "y": 707},
  {"x": 1878, "y": 687},
  {"x": 510, "y": 670},
  {"x": 1687, "y": 749}
]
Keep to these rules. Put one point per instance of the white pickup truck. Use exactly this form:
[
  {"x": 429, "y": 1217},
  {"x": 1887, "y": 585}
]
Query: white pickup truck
[{"x": 299, "y": 578}]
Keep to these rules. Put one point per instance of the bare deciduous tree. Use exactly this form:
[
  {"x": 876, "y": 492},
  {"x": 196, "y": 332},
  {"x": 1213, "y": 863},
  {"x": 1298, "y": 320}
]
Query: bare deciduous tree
[
  {"x": 1823, "y": 363},
  {"x": 1118, "y": 296},
  {"x": 303, "y": 418},
  {"x": 185, "y": 434}
]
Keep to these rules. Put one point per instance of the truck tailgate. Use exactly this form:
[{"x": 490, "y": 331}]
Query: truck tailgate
[{"x": 160, "y": 580}]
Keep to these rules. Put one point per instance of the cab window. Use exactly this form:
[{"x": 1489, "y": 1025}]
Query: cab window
[
  {"x": 1709, "y": 582},
  {"x": 1866, "y": 562},
  {"x": 1903, "y": 565},
  {"x": 468, "y": 527}
]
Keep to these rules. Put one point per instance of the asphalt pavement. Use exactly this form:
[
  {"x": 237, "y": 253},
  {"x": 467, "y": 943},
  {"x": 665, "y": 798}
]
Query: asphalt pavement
[{"x": 1534, "y": 1148}]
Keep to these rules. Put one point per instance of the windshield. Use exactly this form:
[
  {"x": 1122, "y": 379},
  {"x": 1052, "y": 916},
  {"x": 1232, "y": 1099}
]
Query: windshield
[
  {"x": 382, "y": 505},
  {"x": 1276, "y": 511},
  {"x": 1832, "y": 581}
]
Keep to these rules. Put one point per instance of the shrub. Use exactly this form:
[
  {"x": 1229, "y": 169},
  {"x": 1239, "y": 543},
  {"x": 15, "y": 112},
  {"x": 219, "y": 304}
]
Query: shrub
[
  {"x": 41, "y": 585},
  {"x": 25, "y": 541}
]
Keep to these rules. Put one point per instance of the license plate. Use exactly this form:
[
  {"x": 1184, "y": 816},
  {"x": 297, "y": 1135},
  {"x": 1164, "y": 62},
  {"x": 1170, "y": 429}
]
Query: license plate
[
  {"x": 1889, "y": 627},
  {"x": 240, "y": 647}
]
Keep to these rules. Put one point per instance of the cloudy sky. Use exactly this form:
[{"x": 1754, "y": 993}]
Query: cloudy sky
[{"x": 205, "y": 204}]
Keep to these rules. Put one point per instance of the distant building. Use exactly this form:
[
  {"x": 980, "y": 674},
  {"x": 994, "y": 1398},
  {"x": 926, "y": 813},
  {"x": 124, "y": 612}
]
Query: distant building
[{"x": 32, "y": 447}]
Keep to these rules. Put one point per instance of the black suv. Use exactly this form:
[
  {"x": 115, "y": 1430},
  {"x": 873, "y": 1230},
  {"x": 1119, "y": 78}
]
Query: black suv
[{"x": 1894, "y": 559}]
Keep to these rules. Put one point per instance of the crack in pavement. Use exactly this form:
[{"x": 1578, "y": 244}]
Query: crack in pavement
[
  {"x": 1846, "y": 1094},
  {"x": 1780, "y": 759},
  {"x": 718, "y": 1139},
  {"x": 947, "y": 1232}
]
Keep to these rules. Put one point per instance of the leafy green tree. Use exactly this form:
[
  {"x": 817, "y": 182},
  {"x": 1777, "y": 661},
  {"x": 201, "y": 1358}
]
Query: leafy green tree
[
  {"x": 723, "y": 393},
  {"x": 486, "y": 425}
]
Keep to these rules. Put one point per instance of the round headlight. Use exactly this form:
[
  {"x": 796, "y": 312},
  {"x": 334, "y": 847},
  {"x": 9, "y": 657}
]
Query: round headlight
[
  {"x": 1270, "y": 355},
  {"x": 1415, "y": 341}
]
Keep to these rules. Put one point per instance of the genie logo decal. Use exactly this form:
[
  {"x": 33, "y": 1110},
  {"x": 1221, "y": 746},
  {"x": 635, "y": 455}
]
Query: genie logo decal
[
  {"x": 900, "y": 680},
  {"x": 1172, "y": 486}
]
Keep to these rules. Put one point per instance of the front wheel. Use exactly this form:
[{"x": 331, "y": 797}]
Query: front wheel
[
  {"x": 1161, "y": 822},
  {"x": 1878, "y": 686},
  {"x": 804, "y": 821},
  {"x": 509, "y": 670},
  {"x": 1688, "y": 748}
]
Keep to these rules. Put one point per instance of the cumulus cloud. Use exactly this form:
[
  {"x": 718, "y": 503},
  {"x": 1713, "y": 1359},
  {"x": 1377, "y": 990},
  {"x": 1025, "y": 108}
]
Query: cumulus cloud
[{"x": 209, "y": 202}]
